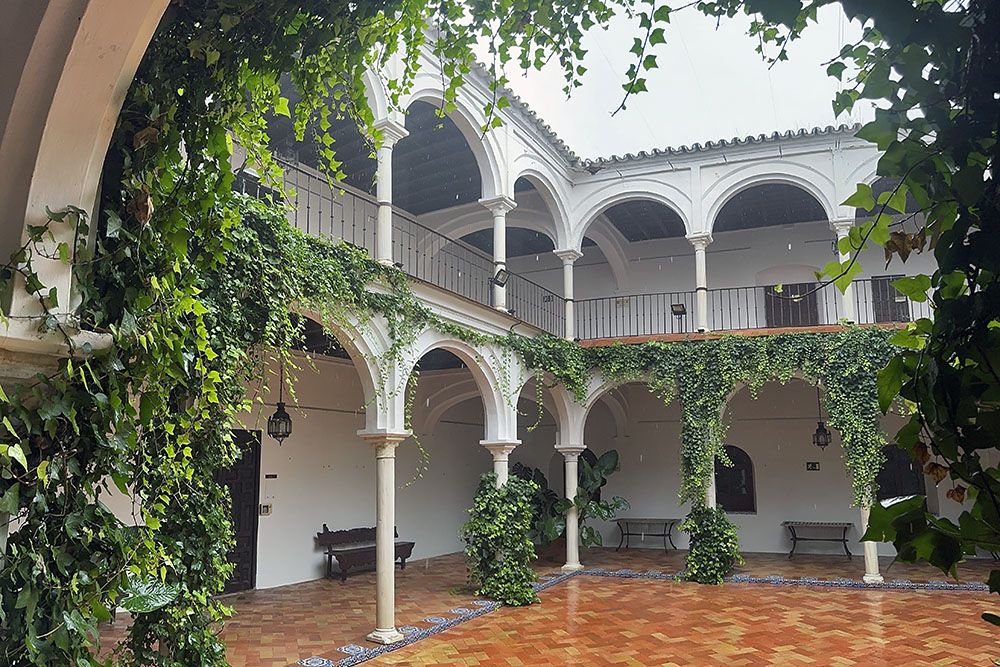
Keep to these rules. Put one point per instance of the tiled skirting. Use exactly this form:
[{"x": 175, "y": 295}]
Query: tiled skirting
[{"x": 357, "y": 654}]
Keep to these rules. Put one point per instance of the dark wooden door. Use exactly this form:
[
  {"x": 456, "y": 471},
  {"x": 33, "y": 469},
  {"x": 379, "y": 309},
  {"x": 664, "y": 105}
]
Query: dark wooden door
[
  {"x": 794, "y": 306},
  {"x": 243, "y": 481},
  {"x": 900, "y": 476},
  {"x": 889, "y": 305}
]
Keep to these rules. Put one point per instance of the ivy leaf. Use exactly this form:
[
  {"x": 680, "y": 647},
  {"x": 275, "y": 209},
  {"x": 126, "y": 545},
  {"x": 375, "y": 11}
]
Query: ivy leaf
[
  {"x": 913, "y": 287},
  {"x": 10, "y": 499},
  {"x": 862, "y": 198},
  {"x": 890, "y": 381},
  {"x": 836, "y": 70},
  {"x": 143, "y": 597},
  {"x": 17, "y": 454},
  {"x": 281, "y": 107}
]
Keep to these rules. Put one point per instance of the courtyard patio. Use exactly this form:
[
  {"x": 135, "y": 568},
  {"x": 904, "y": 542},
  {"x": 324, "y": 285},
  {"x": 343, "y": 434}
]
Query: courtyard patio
[{"x": 626, "y": 609}]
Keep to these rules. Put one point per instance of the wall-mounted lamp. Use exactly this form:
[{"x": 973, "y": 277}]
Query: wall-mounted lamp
[{"x": 500, "y": 279}]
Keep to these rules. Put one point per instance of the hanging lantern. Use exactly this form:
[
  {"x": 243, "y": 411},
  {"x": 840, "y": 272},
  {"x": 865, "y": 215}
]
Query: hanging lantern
[
  {"x": 279, "y": 425},
  {"x": 822, "y": 437}
]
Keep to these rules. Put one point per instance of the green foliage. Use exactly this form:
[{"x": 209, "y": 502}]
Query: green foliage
[
  {"x": 498, "y": 540},
  {"x": 714, "y": 546},
  {"x": 548, "y": 508},
  {"x": 592, "y": 477}
]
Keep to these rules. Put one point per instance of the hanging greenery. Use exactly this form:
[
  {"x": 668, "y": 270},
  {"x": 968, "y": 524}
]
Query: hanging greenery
[
  {"x": 498, "y": 540},
  {"x": 714, "y": 548}
]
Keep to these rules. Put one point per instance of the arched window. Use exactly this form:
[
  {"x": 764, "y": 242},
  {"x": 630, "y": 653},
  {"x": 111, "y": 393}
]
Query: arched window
[{"x": 734, "y": 489}]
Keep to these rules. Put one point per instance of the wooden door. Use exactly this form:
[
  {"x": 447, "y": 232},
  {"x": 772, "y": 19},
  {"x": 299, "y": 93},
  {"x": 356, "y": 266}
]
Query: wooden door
[
  {"x": 243, "y": 481},
  {"x": 795, "y": 306}
]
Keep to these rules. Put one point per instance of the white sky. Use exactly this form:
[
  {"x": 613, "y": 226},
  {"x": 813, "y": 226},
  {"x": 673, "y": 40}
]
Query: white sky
[{"x": 710, "y": 85}]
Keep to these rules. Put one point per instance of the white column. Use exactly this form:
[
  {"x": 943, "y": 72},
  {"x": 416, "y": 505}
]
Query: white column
[
  {"x": 499, "y": 207},
  {"x": 710, "y": 489},
  {"x": 391, "y": 133},
  {"x": 700, "y": 243},
  {"x": 385, "y": 528},
  {"x": 568, "y": 258},
  {"x": 848, "y": 309},
  {"x": 501, "y": 457},
  {"x": 572, "y": 456},
  {"x": 872, "y": 575}
]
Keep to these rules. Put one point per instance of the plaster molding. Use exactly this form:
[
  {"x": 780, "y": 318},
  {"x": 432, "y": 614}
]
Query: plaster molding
[
  {"x": 700, "y": 241},
  {"x": 568, "y": 255},
  {"x": 500, "y": 205},
  {"x": 392, "y": 131}
]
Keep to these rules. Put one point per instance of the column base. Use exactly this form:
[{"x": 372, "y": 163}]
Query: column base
[
  {"x": 390, "y": 636},
  {"x": 386, "y": 262},
  {"x": 571, "y": 567},
  {"x": 873, "y": 579},
  {"x": 502, "y": 309}
]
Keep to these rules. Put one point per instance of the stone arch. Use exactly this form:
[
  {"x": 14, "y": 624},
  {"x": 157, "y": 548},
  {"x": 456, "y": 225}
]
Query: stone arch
[
  {"x": 375, "y": 92},
  {"x": 444, "y": 399},
  {"x": 551, "y": 196},
  {"x": 365, "y": 345},
  {"x": 63, "y": 79},
  {"x": 500, "y": 418},
  {"x": 485, "y": 146},
  {"x": 812, "y": 181},
  {"x": 656, "y": 191}
]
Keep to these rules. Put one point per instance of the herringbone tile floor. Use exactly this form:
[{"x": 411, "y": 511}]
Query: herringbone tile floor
[{"x": 596, "y": 621}]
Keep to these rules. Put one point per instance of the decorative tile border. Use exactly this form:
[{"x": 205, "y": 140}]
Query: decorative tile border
[{"x": 358, "y": 654}]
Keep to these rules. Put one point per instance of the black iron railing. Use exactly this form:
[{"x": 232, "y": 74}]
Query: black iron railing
[
  {"x": 775, "y": 306},
  {"x": 634, "y": 315},
  {"x": 342, "y": 212},
  {"x": 877, "y": 301}
]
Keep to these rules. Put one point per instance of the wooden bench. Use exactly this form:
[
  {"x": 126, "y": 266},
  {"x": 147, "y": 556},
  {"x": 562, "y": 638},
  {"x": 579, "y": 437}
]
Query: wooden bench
[
  {"x": 794, "y": 526},
  {"x": 355, "y": 548},
  {"x": 629, "y": 526}
]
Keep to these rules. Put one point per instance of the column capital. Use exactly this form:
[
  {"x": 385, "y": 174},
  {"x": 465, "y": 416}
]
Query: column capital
[
  {"x": 700, "y": 241},
  {"x": 568, "y": 255},
  {"x": 499, "y": 205},
  {"x": 571, "y": 453},
  {"x": 841, "y": 227},
  {"x": 500, "y": 449},
  {"x": 392, "y": 131},
  {"x": 385, "y": 442}
]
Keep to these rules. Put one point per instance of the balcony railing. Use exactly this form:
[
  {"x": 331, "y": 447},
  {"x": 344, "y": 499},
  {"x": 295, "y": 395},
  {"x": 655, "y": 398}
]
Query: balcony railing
[
  {"x": 877, "y": 301},
  {"x": 793, "y": 305},
  {"x": 342, "y": 212},
  {"x": 634, "y": 315}
]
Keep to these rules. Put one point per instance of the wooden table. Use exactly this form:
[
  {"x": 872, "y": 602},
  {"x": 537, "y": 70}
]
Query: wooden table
[
  {"x": 628, "y": 526},
  {"x": 794, "y": 526}
]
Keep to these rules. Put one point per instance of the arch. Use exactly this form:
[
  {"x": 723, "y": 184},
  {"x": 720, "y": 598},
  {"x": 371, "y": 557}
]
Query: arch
[
  {"x": 363, "y": 347},
  {"x": 63, "y": 79},
  {"x": 485, "y": 146},
  {"x": 657, "y": 191},
  {"x": 612, "y": 246},
  {"x": 500, "y": 418},
  {"x": 756, "y": 174},
  {"x": 551, "y": 197},
  {"x": 375, "y": 92},
  {"x": 735, "y": 489}
]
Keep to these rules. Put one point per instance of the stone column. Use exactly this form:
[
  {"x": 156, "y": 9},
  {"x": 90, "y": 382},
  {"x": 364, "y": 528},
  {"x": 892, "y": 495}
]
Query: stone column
[
  {"x": 568, "y": 258},
  {"x": 700, "y": 243},
  {"x": 710, "y": 489},
  {"x": 501, "y": 456},
  {"x": 872, "y": 575},
  {"x": 499, "y": 207},
  {"x": 572, "y": 456},
  {"x": 391, "y": 133},
  {"x": 848, "y": 310},
  {"x": 385, "y": 528}
]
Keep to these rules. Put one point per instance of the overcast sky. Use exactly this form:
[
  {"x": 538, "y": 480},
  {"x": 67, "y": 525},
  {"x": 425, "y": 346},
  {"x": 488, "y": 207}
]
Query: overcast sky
[{"x": 710, "y": 85}]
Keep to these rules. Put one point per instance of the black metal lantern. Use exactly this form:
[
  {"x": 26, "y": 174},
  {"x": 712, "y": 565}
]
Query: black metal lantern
[
  {"x": 822, "y": 437},
  {"x": 279, "y": 425}
]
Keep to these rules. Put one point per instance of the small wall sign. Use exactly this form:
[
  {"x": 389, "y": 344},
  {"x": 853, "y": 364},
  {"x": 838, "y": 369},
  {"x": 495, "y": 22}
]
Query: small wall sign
[{"x": 812, "y": 465}]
